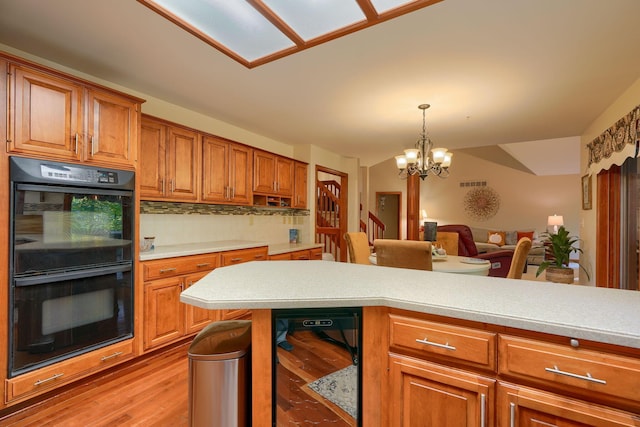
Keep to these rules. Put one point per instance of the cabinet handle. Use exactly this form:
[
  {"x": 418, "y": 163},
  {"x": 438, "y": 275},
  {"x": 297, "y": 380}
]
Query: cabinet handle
[
  {"x": 512, "y": 414},
  {"x": 258, "y": 256},
  {"x": 167, "y": 270},
  {"x": 92, "y": 146},
  {"x": 483, "y": 410},
  {"x": 173, "y": 185},
  {"x": 75, "y": 148},
  {"x": 233, "y": 192},
  {"x": 435, "y": 344},
  {"x": 46, "y": 380},
  {"x": 204, "y": 264},
  {"x": 111, "y": 356},
  {"x": 226, "y": 192},
  {"x": 162, "y": 184},
  {"x": 587, "y": 377},
  {"x": 235, "y": 259},
  {"x": 9, "y": 116}
]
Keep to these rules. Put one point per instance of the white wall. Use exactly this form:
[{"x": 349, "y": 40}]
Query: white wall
[
  {"x": 619, "y": 108},
  {"x": 526, "y": 200}
]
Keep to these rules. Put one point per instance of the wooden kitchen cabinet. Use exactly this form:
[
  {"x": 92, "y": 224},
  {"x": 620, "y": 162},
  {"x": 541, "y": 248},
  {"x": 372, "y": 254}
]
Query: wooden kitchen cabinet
[
  {"x": 56, "y": 116},
  {"x": 527, "y": 407},
  {"x": 165, "y": 318},
  {"x": 45, "y": 114},
  {"x": 305, "y": 254},
  {"x": 419, "y": 352},
  {"x": 467, "y": 369},
  {"x": 163, "y": 313},
  {"x": 429, "y": 395},
  {"x": 273, "y": 179},
  {"x": 112, "y": 128},
  {"x": 226, "y": 171},
  {"x": 170, "y": 162},
  {"x": 300, "y": 185}
]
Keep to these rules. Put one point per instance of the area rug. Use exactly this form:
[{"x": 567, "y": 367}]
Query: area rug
[{"x": 341, "y": 388}]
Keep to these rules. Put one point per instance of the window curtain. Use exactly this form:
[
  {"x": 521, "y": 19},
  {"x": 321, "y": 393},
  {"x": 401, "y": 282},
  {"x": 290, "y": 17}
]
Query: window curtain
[{"x": 616, "y": 144}]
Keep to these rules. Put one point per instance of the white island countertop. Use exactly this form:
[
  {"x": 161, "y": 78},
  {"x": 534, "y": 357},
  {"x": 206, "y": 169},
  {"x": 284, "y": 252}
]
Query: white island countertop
[
  {"x": 598, "y": 314},
  {"x": 185, "y": 249}
]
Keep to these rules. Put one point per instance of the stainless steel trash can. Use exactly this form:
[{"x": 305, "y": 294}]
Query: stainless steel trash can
[{"x": 220, "y": 375}]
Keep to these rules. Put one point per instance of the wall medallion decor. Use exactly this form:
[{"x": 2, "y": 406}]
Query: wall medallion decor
[{"x": 481, "y": 203}]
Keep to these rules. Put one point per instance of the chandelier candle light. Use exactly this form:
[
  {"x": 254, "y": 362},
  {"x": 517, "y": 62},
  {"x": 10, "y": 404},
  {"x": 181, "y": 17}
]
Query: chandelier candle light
[{"x": 424, "y": 159}]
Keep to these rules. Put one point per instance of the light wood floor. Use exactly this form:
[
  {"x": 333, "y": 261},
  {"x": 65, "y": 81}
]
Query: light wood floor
[{"x": 150, "y": 392}]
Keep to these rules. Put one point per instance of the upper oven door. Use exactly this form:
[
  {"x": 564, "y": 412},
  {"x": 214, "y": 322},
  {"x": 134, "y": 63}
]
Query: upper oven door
[{"x": 57, "y": 228}]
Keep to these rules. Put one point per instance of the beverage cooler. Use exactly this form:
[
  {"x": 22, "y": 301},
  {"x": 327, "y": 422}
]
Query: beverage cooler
[{"x": 317, "y": 371}]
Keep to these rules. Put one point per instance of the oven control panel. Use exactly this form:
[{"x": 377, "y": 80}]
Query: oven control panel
[{"x": 77, "y": 174}]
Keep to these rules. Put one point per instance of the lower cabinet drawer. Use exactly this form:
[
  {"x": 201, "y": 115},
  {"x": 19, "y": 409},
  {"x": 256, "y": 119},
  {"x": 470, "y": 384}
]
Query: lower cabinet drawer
[
  {"x": 438, "y": 340},
  {"x": 244, "y": 255},
  {"x": 169, "y": 267},
  {"x": 45, "y": 379},
  {"x": 568, "y": 368}
]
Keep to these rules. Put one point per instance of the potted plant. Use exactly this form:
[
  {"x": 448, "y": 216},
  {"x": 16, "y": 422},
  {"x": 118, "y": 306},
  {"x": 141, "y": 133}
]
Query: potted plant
[{"x": 558, "y": 248}]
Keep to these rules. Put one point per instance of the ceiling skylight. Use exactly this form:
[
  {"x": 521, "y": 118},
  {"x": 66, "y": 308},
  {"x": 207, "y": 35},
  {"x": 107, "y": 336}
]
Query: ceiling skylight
[{"x": 254, "y": 32}]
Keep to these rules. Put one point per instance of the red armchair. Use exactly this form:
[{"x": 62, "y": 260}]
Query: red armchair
[{"x": 500, "y": 260}]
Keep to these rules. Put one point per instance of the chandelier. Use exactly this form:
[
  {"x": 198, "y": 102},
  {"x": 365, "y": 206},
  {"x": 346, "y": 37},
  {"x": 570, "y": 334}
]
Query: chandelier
[{"x": 424, "y": 160}]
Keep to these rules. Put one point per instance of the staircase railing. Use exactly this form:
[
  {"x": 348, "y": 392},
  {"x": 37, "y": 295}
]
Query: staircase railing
[
  {"x": 328, "y": 217},
  {"x": 374, "y": 228}
]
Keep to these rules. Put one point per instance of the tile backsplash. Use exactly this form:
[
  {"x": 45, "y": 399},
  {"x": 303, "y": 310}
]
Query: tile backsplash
[{"x": 179, "y": 223}]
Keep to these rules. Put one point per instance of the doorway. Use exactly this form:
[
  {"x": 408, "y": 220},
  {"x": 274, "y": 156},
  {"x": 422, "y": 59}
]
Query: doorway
[
  {"x": 388, "y": 207},
  {"x": 331, "y": 211}
]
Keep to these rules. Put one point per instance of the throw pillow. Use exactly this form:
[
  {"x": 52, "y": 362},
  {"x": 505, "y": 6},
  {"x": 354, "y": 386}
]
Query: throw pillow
[
  {"x": 497, "y": 237},
  {"x": 528, "y": 234},
  {"x": 511, "y": 238}
]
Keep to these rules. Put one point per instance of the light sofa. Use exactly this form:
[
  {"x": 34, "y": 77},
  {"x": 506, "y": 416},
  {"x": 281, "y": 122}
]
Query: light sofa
[{"x": 482, "y": 241}]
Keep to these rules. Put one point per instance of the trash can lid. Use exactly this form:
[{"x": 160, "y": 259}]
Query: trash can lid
[{"x": 226, "y": 339}]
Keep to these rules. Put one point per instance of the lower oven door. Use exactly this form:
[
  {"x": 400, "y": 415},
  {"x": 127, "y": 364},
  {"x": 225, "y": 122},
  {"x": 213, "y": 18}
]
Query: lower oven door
[{"x": 57, "y": 316}]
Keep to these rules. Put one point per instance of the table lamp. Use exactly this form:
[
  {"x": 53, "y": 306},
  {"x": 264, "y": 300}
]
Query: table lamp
[{"x": 555, "y": 221}]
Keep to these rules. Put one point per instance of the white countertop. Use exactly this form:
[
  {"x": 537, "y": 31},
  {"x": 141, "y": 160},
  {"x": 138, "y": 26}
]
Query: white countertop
[
  {"x": 598, "y": 314},
  {"x": 170, "y": 251}
]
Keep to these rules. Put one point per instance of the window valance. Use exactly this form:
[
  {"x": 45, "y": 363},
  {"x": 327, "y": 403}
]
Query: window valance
[{"x": 615, "y": 144}]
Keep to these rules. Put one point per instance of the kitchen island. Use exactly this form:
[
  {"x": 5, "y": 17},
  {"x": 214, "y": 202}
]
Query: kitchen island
[{"x": 586, "y": 320}]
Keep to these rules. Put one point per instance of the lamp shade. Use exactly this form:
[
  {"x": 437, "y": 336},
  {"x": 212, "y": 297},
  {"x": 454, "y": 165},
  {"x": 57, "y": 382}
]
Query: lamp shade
[
  {"x": 556, "y": 220},
  {"x": 438, "y": 154},
  {"x": 401, "y": 162}
]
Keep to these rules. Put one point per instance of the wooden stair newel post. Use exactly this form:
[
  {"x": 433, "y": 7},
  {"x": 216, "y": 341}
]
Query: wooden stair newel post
[{"x": 413, "y": 207}]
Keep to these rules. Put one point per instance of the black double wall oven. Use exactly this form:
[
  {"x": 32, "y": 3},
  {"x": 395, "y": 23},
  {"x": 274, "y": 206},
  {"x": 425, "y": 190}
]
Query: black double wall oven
[{"x": 71, "y": 261}]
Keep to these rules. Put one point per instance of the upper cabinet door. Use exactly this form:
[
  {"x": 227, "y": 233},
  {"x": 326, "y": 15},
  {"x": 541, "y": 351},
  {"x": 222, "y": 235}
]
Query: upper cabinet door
[
  {"x": 300, "y": 185},
  {"x": 112, "y": 128},
  {"x": 240, "y": 171},
  {"x": 183, "y": 164},
  {"x": 284, "y": 182},
  {"x": 264, "y": 172},
  {"x": 153, "y": 163},
  {"x": 45, "y": 114},
  {"x": 215, "y": 170}
]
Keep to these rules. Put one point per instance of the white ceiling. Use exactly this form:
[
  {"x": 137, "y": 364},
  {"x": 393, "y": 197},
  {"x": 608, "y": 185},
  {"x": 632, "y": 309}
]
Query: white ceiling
[{"x": 500, "y": 73}]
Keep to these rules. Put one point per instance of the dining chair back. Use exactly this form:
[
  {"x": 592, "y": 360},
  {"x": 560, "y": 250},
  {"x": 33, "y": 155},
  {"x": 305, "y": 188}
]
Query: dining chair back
[
  {"x": 358, "y": 246},
  {"x": 412, "y": 254},
  {"x": 519, "y": 259},
  {"x": 447, "y": 240}
]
